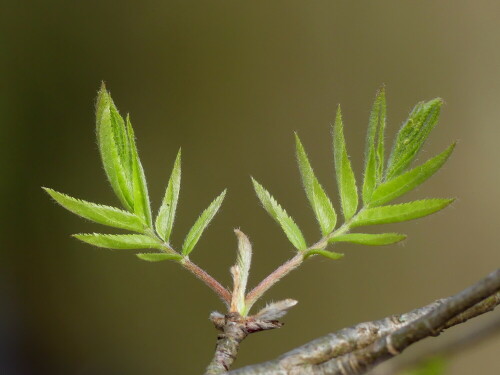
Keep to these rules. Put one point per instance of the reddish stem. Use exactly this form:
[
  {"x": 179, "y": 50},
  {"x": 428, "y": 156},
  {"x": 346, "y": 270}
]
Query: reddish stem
[
  {"x": 213, "y": 284},
  {"x": 273, "y": 278}
]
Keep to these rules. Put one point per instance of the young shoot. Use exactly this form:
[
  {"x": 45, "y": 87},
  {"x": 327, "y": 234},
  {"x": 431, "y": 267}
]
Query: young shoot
[{"x": 364, "y": 204}]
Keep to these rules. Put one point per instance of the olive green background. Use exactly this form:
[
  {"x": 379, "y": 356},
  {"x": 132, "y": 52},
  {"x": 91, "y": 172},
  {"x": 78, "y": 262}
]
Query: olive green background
[{"x": 230, "y": 81}]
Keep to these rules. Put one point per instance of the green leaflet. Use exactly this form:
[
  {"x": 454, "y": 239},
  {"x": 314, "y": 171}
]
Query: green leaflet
[
  {"x": 199, "y": 226},
  {"x": 120, "y": 241},
  {"x": 272, "y": 207},
  {"x": 325, "y": 253},
  {"x": 345, "y": 176},
  {"x": 122, "y": 139},
  {"x": 412, "y": 136},
  {"x": 407, "y": 181},
  {"x": 106, "y": 215},
  {"x": 142, "y": 207},
  {"x": 320, "y": 203},
  {"x": 399, "y": 212},
  {"x": 158, "y": 257},
  {"x": 369, "y": 239},
  {"x": 374, "y": 149},
  {"x": 113, "y": 146},
  {"x": 166, "y": 214}
]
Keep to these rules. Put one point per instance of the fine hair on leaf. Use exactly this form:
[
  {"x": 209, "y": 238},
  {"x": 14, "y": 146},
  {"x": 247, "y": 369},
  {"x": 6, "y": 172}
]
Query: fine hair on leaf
[
  {"x": 120, "y": 241},
  {"x": 110, "y": 216},
  {"x": 279, "y": 214},
  {"x": 345, "y": 175},
  {"x": 201, "y": 223},
  {"x": 318, "y": 199},
  {"x": 166, "y": 214}
]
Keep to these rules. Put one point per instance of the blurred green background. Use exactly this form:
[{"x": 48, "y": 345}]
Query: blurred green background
[{"x": 230, "y": 81}]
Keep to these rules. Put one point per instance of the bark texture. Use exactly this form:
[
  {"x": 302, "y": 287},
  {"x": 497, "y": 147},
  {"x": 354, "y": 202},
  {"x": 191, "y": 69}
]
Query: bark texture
[
  {"x": 442, "y": 349},
  {"x": 357, "y": 349}
]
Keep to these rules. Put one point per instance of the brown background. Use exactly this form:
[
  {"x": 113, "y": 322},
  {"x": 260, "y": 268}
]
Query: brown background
[{"x": 230, "y": 81}]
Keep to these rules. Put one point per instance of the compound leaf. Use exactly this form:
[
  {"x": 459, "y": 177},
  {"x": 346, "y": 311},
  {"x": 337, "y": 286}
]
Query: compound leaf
[
  {"x": 199, "y": 226},
  {"x": 370, "y": 239},
  {"x": 119, "y": 241},
  {"x": 345, "y": 176},
  {"x": 106, "y": 215},
  {"x": 166, "y": 214},
  {"x": 399, "y": 212},
  {"x": 320, "y": 203}
]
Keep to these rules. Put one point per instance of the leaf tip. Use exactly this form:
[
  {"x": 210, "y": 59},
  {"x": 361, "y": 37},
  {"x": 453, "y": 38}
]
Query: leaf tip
[
  {"x": 401, "y": 238},
  {"x": 435, "y": 103},
  {"x": 254, "y": 182},
  {"x": 51, "y": 192},
  {"x": 380, "y": 95},
  {"x": 102, "y": 93},
  {"x": 338, "y": 118},
  {"x": 297, "y": 138}
]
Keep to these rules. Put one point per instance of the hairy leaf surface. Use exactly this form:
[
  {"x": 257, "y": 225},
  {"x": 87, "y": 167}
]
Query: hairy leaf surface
[
  {"x": 408, "y": 181},
  {"x": 374, "y": 149},
  {"x": 113, "y": 146},
  {"x": 345, "y": 176},
  {"x": 370, "y": 239},
  {"x": 142, "y": 207},
  {"x": 119, "y": 241},
  {"x": 325, "y": 253},
  {"x": 166, "y": 214},
  {"x": 199, "y": 226},
  {"x": 412, "y": 136},
  {"x": 158, "y": 257},
  {"x": 320, "y": 203},
  {"x": 272, "y": 207},
  {"x": 111, "y": 216},
  {"x": 399, "y": 212}
]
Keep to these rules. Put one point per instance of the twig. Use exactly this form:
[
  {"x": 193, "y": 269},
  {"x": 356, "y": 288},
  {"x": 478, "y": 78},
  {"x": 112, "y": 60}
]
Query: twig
[
  {"x": 357, "y": 349},
  {"x": 213, "y": 284},
  {"x": 273, "y": 278},
  {"x": 443, "y": 349},
  {"x": 234, "y": 329}
]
